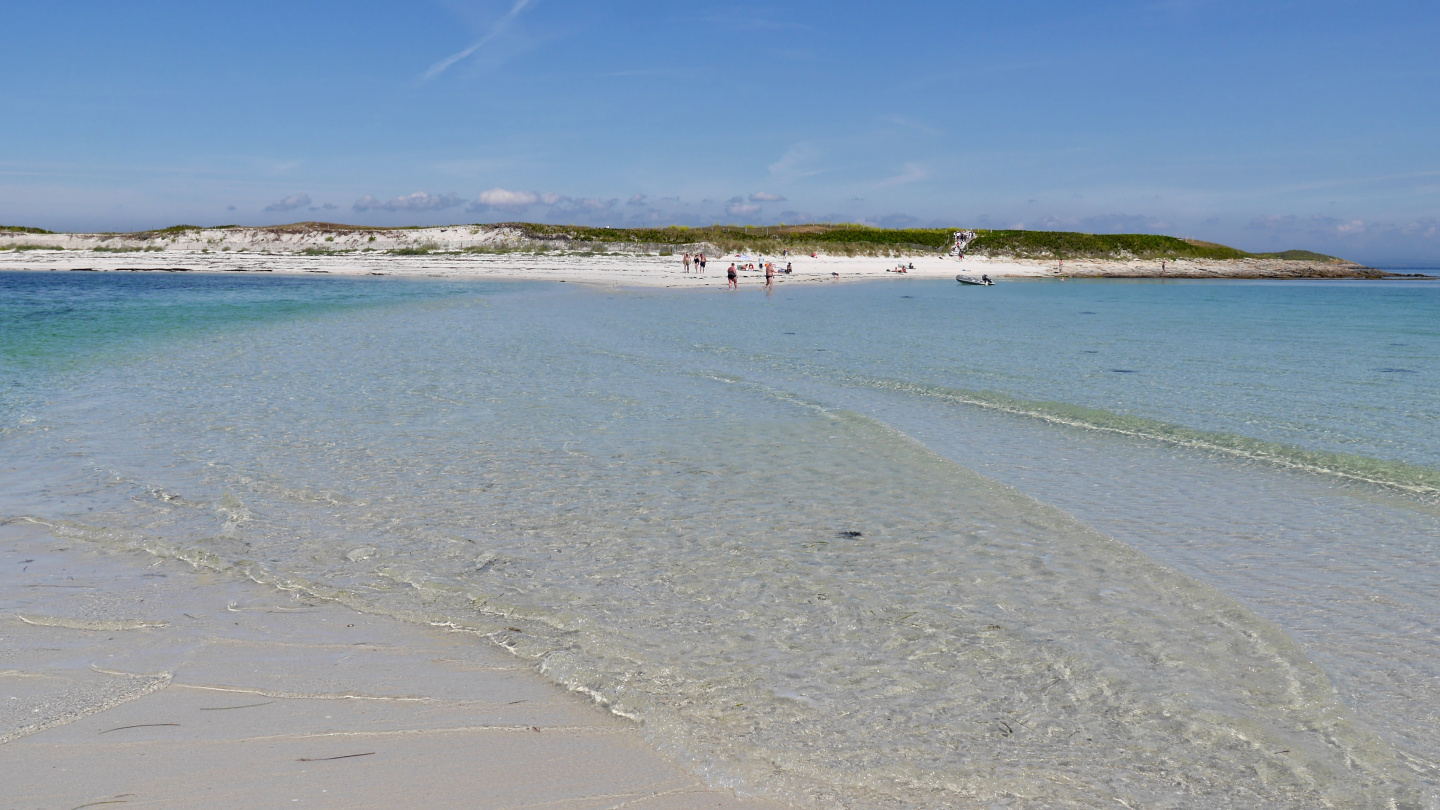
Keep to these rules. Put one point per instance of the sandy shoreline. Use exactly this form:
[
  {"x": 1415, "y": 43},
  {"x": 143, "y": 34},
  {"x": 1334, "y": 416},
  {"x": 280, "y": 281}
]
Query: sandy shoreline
[
  {"x": 625, "y": 270},
  {"x": 610, "y": 270},
  {"x": 128, "y": 679},
  {"x": 504, "y": 253}
]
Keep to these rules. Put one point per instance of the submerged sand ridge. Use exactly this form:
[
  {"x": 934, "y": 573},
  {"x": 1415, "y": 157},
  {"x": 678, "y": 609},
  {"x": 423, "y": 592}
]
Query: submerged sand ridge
[{"x": 508, "y": 252}]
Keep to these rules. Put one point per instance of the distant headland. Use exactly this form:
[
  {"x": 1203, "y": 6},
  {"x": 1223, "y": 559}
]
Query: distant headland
[{"x": 858, "y": 250}]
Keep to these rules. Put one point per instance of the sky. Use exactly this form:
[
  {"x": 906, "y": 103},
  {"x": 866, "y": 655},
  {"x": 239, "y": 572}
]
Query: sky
[{"x": 1263, "y": 125}]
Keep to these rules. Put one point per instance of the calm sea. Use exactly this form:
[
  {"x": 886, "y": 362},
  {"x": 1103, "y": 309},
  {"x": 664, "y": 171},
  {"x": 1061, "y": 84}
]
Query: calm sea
[{"x": 1045, "y": 544}]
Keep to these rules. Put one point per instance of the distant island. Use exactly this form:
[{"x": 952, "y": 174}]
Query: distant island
[{"x": 998, "y": 252}]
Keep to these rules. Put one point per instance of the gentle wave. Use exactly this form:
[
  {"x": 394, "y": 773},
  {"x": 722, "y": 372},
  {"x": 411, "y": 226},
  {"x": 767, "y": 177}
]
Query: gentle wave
[
  {"x": 1399, "y": 475},
  {"x": 967, "y": 644}
]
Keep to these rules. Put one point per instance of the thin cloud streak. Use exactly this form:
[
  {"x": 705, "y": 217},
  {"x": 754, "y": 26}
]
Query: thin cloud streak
[
  {"x": 495, "y": 30},
  {"x": 913, "y": 173}
]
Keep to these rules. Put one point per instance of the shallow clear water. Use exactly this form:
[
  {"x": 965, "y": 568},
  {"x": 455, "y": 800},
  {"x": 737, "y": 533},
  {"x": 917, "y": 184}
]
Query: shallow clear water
[{"x": 899, "y": 544}]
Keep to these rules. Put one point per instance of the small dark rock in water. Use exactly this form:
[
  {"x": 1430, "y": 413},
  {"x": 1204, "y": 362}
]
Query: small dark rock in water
[
  {"x": 849, "y": 534},
  {"x": 907, "y": 296},
  {"x": 1086, "y": 312},
  {"x": 789, "y": 333},
  {"x": 1089, "y": 351},
  {"x": 1397, "y": 371},
  {"x": 1124, "y": 370}
]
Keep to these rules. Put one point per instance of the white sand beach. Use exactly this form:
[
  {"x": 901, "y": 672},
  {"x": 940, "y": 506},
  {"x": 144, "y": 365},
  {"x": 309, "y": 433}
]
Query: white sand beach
[
  {"x": 505, "y": 253},
  {"x": 626, "y": 270},
  {"x": 144, "y": 682}
]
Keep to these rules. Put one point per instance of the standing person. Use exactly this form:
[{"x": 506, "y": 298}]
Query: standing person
[
  {"x": 769, "y": 276},
  {"x": 687, "y": 261},
  {"x": 730, "y": 274},
  {"x": 703, "y": 260}
]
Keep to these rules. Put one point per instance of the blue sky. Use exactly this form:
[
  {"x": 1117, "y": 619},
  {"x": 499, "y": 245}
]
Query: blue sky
[{"x": 1265, "y": 125}]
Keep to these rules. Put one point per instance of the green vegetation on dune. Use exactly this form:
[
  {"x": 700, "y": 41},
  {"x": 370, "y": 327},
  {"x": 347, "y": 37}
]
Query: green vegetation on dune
[
  {"x": 834, "y": 238},
  {"x": 1298, "y": 255},
  {"x": 1069, "y": 245},
  {"x": 417, "y": 250},
  {"x": 30, "y": 247},
  {"x": 21, "y": 229},
  {"x": 863, "y": 239},
  {"x": 173, "y": 230},
  {"x": 845, "y": 238}
]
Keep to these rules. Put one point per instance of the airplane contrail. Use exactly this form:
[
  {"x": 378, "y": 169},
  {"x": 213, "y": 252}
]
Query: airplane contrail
[{"x": 495, "y": 30}]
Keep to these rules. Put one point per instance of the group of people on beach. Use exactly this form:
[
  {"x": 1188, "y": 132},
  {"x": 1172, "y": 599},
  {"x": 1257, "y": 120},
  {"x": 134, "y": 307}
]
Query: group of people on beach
[
  {"x": 699, "y": 260},
  {"x": 733, "y": 273}
]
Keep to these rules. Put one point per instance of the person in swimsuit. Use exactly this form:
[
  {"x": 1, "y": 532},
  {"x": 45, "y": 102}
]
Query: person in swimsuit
[
  {"x": 687, "y": 262},
  {"x": 702, "y": 264},
  {"x": 769, "y": 276},
  {"x": 730, "y": 274}
]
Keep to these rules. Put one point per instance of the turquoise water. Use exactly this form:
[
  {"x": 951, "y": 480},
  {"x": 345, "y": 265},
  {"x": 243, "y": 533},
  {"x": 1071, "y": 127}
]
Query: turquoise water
[{"x": 1046, "y": 544}]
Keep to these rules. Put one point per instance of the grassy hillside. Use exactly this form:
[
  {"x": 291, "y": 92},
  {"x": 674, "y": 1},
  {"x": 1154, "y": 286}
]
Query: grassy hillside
[
  {"x": 862, "y": 239},
  {"x": 843, "y": 238},
  {"x": 1068, "y": 245},
  {"x": 20, "y": 229},
  {"x": 1298, "y": 255}
]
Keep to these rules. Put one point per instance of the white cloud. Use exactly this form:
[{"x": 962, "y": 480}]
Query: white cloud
[
  {"x": 796, "y": 162},
  {"x": 504, "y": 198},
  {"x": 592, "y": 205},
  {"x": 737, "y": 207},
  {"x": 290, "y": 203},
  {"x": 638, "y": 199},
  {"x": 1424, "y": 228},
  {"x": 495, "y": 30},
  {"x": 765, "y": 196},
  {"x": 419, "y": 201}
]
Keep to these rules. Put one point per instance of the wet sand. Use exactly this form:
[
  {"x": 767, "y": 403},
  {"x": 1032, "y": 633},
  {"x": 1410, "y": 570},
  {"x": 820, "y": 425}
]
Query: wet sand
[{"x": 129, "y": 679}]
